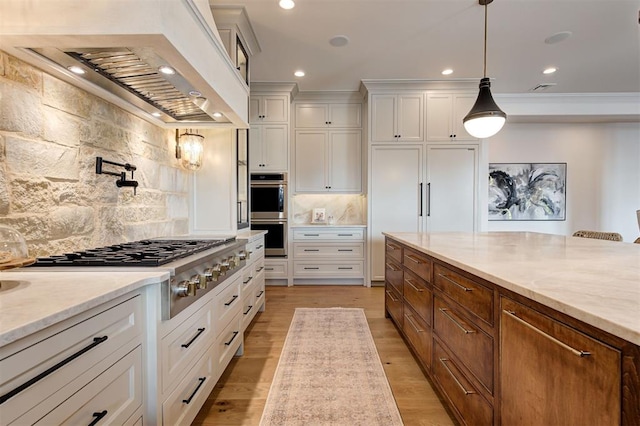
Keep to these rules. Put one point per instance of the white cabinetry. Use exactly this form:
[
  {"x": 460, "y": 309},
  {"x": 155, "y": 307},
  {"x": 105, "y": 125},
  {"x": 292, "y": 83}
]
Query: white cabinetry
[
  {"x": 318, "y": 115},
  {"x": 269, "y": 147},
  {"x": 414, "y": 188},
  {"x": 82, "y": 370},
  {"x": 272, "y": 108},
  {"x": 445, "y": 112},
  {"x": 397, "y": 117},
  {"x": 328, "y": 253},
  {"x": 328, "y": 161},
  {"x": 253, "y": 291}
]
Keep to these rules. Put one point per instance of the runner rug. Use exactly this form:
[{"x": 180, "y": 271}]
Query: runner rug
[{"x": 330, "y": 373}]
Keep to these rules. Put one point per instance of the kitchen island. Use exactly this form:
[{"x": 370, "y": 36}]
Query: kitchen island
[{"x": 521, "y": 328}]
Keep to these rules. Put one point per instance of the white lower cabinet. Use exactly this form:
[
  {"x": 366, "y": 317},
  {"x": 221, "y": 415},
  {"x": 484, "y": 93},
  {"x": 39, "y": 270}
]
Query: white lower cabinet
[
  {"x": 331, "y": 252},
  {"x": 90, "y": 363}
]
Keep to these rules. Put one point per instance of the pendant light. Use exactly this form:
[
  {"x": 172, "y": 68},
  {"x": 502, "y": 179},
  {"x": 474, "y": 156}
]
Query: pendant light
[{"x": 485, "y": 118}]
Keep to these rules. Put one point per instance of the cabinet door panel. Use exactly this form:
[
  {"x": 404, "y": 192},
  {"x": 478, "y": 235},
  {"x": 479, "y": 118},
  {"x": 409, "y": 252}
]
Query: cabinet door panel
[
  {"x": 311, "y": 115},
  {"x": 345, "y": 161},
  {"x": 410, "y": 118},
  {"x": 452, "y": 188},
  {"x": 462, "y": 104},
  {"x": 566, "y": 388},
  {"x": 255, "y": 148},
  {"x": 275, "y": 148},
  {"x": 383, "y": 118},
  {"x": 439, "y": 117},
  {"x": 276, "y": 109},
  {"x": 254, "y": 109},
  {"x": 345, "y": 115},
  {"x": 311, "y": 163},
  {"x": 396, "y": 174}
]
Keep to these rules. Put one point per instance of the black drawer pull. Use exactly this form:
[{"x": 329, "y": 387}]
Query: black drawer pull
[
  {"x": 235, "y": 333},
  {"x": 29, "y": 383},
  {"x": 311, "y": 268},
  {"x": 345, "y": 249},
  {"x": 248, "y": 310},
  {"x": 98, "y": 417},
  {"x": 262, "y": 267},
  {"x": 259, "y": 247},
  {"x": 233, "y": 299},
  {"x": 201, "y": 380},
  {"x": 186, "y": 345},
  {"x": 247, "y": 281},
  {"x": 268, "y": 269},
  {"x": 311, "y": 235},
  {"x": 260, "y": 294},
  {"x": 311, "y": 250},
  {"x": 345, "y": 235},
  {"x": 345, "y": 267}
]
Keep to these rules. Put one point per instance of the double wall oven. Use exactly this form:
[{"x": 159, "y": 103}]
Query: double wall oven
[{"x": 269, "y": 210}]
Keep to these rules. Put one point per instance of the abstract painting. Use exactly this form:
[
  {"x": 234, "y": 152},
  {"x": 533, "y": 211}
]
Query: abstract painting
[{"x": 527, "y": 191}]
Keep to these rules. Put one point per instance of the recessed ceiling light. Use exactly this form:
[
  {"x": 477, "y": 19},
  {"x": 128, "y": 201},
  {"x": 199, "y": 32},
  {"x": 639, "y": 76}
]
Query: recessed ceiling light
[
  {"x": 299, "y": 73},
  {"x": 194, "y": 93},
  {"x": 549, "y": 70},
  {"x": 164, "y": 69},
  {"x": 558, "y": 37},
  {"x": 156, "y": 114},
  {"x": 75, "y": 69},
  {"x": 286, "y": 4},
  {"x": 217, "y": 114},
  {"x": 448, "y": 71},
  {"x": 339, "y": 41}
]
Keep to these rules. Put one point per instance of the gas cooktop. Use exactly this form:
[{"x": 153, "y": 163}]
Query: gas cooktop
[{"x": 135, "y": 253}]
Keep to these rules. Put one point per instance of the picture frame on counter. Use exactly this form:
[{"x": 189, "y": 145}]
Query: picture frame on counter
[
  {"x": 319, "y": 216},
  {"x": 527, "y": 191}
]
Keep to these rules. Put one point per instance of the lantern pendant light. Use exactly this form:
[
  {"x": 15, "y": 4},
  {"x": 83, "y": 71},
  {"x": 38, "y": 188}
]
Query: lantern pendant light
[{"x": 485, "y": 118}]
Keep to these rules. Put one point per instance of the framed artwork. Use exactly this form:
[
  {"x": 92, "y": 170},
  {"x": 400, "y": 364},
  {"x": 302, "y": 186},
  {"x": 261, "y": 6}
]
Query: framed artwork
[
  {"x": 318, "y": 216},
  {"x": 527, "y": 191}
]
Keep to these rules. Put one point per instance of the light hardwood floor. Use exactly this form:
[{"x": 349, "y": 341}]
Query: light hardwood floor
[{"x": 239, "y": 396}]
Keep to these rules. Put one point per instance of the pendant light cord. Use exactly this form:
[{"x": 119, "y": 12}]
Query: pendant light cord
[{"x": 485, "y": 40}]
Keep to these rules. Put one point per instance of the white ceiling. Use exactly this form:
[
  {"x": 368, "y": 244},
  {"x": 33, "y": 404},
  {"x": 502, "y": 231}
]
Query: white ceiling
[{"x": 417, "y": 39}]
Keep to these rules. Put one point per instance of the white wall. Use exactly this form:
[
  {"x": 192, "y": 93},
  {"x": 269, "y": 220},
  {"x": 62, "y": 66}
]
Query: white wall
[{"x": 603, "y": 172}]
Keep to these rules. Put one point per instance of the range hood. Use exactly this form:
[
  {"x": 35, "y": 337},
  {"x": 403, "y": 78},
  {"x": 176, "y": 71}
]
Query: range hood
[{"x": 123, "y": 47}]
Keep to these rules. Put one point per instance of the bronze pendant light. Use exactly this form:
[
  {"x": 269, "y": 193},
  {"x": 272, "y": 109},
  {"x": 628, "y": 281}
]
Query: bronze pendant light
[{"x": 485, "y": 118}]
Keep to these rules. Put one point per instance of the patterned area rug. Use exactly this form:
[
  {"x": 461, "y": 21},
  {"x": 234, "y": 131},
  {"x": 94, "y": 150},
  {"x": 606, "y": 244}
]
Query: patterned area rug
[{"x": 330, "y": 373}]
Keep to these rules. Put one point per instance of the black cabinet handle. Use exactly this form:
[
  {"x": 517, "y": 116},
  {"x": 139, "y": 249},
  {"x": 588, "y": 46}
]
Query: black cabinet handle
[
  {"x": 249, "y": 308},
  {"x": 29, "y": 383},
  {"x": 188, "y": 400},
  {"x": 429, "y": 199},
  {"x": 235, "y": 333},
  {"x": 233, "y": 299},
  {"x": 98, "y": 417},
  {"x": 420, "y": 215},
  {"x": 310, "y": 268},
  {"x": 260, "y": 294},
  {"x": 186, "y": 345}
]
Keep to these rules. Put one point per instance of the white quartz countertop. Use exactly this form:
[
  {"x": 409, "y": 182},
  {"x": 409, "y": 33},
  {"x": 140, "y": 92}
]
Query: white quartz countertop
[
  {"x": 32, "y": 301},
  {"x": 595, "y": 281}
]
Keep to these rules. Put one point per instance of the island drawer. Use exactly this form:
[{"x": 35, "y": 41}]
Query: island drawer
[
  {"x": 418, "y": 294},
  {"x": 393, "y": 304},
  {"x": 470, "y": 344},
  {"x": 475, "y": 297},
  {"x": 393, "y": 250},
  {"x": 418, "y": 263},
  {"x": 465, "y": 399},
  {"x": 393, "y": 275},
  {"x": 418, "y": 333}
]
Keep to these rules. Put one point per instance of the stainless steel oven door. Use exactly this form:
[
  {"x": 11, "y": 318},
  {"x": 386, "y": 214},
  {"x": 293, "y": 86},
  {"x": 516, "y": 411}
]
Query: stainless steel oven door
[
  {"x": 275, "y": 241},
  {"x": 268, "y": 200}
]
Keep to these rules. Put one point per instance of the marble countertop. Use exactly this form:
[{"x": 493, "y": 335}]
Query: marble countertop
[
  {"x": 32, "y": 301},
  {"x": 597, "y": 282}
]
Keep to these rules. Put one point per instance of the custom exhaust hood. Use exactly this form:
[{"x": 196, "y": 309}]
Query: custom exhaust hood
[{"x": 161, "y": 60}]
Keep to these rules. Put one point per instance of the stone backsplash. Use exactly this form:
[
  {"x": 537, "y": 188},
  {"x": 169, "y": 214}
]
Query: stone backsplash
[
  {"x": 50, "y": 135},
  {"x": 345, "y": 209}
]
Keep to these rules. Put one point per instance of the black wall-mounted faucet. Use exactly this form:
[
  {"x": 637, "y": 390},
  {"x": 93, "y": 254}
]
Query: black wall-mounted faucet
[{"x": 122, "y": 181}]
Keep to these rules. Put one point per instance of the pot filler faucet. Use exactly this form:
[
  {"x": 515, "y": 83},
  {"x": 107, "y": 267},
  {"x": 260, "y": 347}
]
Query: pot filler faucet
[{"x": 122, "y": 175}]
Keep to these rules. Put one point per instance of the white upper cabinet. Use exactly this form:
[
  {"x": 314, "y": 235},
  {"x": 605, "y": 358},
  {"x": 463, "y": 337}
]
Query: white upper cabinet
[
  {"x": 445, "y": 112},
  {"x": 319, "y": 115},
  {"x": 328, "y": 161},
  {"x": 398, "y": 117},
  {"x": 269, "y": 148},
  {"x": 269, "y": 109}
]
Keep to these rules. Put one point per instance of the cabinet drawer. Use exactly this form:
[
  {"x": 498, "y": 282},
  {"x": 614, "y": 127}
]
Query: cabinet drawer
[
  {"x": 183, "y": 404},
  {"x": 185, "y": 343},
  {"x": 276, "y": 269},
  {"x": 112, "y": 397},
  {"x": 393, "y": 276},
  {"x": 74, "y": 350},
  {"x": 309, "y": 250},
  {"x": 228, "y": 343},
  {"x": 418, "y": 263},
  {"x": 471, "y": 408},
  {"x": 475, "y": 297},
  {"x": 255, "y": 249},
  {"x": 393, "y": 304},
  {"x": 227, "y": 304},
  {"x": 393, "y": 250},
  {"x": 328, "y": 269},
  {"x": 468, "y": 342},
  {"x": 418, "y": 333},
  {"x": 417, "y": 294},
  {"x": 331, "y": 234}
]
